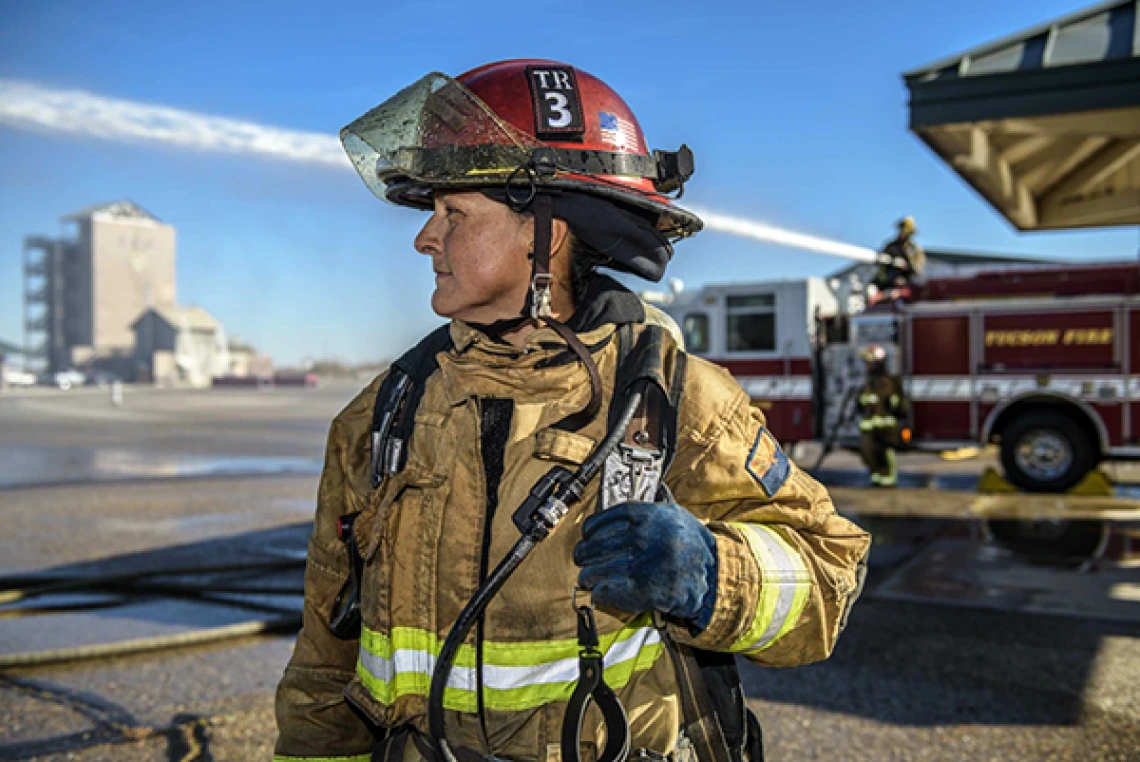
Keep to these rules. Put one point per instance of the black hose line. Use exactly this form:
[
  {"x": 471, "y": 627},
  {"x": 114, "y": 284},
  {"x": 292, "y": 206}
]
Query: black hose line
[
  {"x": 833, "y": 435},
  {"x": 14, "y": 589},
  {"x": 570, "y": 494}
]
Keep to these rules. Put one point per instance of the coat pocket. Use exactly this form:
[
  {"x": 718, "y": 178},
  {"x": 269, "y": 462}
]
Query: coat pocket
[
  {"x": 565, "y": 447},
  {"x": 398, "y": 537}
]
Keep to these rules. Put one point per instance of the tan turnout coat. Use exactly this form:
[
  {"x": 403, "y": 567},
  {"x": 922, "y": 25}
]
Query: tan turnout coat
[{"x": 787, "y": 561}]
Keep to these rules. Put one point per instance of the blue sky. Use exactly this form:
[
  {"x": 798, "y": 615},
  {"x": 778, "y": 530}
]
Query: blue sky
[{"x": 796, "y": 113}]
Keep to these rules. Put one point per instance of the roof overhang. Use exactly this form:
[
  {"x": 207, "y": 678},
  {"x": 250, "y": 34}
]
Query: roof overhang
[{"x": 1044, "y": 124}]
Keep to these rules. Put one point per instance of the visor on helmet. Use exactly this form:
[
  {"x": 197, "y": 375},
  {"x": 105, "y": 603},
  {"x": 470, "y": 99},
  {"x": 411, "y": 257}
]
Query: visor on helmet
[{"x": 434, "y": 132}]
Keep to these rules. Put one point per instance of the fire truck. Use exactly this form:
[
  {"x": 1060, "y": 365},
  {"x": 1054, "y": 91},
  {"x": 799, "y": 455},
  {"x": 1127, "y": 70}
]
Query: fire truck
[{"x": 1037, "y": 359}]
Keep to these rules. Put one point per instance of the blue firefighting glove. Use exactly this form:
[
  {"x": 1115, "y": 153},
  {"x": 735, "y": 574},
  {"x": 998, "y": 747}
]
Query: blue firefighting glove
[{"x": 650, "y": 557}]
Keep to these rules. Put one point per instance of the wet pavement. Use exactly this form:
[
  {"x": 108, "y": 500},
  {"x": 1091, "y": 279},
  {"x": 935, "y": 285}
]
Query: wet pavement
[
  {"x": 956, "y": 571},
  {"x": 858, "y": 477},
  {"x": 205, "y": 479},
  {"x": 22, "y": 466},
  {"x": 79, "y": 437}
]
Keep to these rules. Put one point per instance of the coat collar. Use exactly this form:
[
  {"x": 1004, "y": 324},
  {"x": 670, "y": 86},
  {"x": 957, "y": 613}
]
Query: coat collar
[{"x": 483, "y": 367}]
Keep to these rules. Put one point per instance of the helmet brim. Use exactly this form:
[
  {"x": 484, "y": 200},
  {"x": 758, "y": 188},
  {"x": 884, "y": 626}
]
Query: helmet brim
[{"x": 674, "y": 221}]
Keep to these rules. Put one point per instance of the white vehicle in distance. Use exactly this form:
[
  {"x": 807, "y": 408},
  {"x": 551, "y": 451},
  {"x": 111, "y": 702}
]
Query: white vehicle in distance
[
  {"x": 66, "y": 379},
  {"x": 14, "y": 377}
]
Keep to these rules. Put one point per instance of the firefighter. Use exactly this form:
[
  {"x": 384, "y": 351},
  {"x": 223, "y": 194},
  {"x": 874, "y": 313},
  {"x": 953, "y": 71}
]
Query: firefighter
[
  {"x": 699, "y": 536},
  {"x": 882, "y": 412},
  {"x": 902, "y": 260}
]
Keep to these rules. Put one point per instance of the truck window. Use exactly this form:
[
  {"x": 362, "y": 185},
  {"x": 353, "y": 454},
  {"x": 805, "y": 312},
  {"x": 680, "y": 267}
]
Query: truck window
[
  {"x": 751, "y": 323},
  {"x": 695, "y": 329}
]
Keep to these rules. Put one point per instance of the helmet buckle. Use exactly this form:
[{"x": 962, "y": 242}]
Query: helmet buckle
[
  {"x": 540, "y": 303},
  {"x": 544, "y": 162}
]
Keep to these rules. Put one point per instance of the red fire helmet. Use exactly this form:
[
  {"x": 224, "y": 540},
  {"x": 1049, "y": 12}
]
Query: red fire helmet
[{"x": 522, "y": 125}]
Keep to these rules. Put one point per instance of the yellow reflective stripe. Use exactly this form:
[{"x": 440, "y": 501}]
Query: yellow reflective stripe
[
  {"x": 351, "y": 758},
  {"x": 877, "y": 422},
  {"x": 868, "y": 399},
  {"x": 892, "y": 476},
  {"x": 515, "y": 675},
  {"x": 784, "y": 588},
  {"x": 894, "y": 400}
]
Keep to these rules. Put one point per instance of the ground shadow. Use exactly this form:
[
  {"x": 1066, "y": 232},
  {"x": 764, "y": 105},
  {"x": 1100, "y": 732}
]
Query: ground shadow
[{"x": 915, "y": 664}]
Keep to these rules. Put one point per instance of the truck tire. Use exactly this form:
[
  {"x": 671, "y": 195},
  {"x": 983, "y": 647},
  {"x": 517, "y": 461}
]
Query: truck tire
[{"x": 1046, "y": 451}]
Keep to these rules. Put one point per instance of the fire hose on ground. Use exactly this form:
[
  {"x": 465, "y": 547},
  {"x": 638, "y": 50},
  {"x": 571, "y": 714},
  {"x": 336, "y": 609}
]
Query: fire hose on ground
[{"x": 140, "y": 584}]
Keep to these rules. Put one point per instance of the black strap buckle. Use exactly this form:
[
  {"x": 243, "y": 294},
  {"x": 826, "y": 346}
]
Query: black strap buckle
[
  {"x": 592, "y": 686},
  {"x": 674, "y": 168}
]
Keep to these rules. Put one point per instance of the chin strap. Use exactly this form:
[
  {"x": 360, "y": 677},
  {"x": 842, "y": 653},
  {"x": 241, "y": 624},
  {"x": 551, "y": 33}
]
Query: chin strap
[
  {"x": 539, "y": 300},
  {"x": 538, "y": 307}
]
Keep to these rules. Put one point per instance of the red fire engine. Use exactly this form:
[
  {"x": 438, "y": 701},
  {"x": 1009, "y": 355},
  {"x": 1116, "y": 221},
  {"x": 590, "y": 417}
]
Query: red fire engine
[{"x": 1037, "y": 359}]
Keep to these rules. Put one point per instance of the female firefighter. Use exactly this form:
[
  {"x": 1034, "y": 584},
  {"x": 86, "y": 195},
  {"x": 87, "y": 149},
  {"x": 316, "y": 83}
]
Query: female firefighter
[{"x": 552, "y": 407}]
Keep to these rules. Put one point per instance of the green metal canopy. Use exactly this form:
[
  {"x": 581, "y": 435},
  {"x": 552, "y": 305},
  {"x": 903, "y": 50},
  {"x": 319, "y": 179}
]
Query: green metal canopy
[{"x": 1045, "y": 124}]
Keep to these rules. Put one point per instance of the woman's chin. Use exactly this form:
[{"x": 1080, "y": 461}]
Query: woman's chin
[{"x": 444, "y": 306}]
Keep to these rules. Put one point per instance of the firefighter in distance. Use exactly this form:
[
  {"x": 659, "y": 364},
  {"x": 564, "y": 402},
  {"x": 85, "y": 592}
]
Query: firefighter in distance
[
  {"x": 902, "y": 261},
  {"x": 883, "y": 409}
]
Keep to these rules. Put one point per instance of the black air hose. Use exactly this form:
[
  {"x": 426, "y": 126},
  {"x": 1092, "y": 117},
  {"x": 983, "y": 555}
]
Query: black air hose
[{"x": 546, "y": 517}]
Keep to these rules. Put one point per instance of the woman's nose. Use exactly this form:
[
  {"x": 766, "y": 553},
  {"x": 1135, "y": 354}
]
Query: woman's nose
[{"x": 428, "y": 239}]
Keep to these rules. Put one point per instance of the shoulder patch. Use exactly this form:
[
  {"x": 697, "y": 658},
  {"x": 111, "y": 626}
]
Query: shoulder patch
[{"x": 767, "y": 463}]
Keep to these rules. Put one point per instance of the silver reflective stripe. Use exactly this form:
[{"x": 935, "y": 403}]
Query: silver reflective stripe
[
  {"x": 406, "y": 661},
  {"x": 786, "y": 576},
  {"x": 565, "y": 670}
]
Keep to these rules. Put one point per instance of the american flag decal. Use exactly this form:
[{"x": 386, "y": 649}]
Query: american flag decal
[{"x": 618, "y": 132}]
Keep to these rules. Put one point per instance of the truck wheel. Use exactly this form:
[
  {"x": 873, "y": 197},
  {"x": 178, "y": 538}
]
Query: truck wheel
[{"x": 1046, "y": 451}]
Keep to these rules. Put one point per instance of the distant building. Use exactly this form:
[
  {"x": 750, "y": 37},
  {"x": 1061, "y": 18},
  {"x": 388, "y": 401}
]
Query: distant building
[
  {"x": 83, "y": 290},
  {"x": 179, "y": 346},
  {"x": 245, "y": 361}
]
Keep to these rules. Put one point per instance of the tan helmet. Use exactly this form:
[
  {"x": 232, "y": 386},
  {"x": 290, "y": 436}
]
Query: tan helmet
[{"x": 907, "y": 226}]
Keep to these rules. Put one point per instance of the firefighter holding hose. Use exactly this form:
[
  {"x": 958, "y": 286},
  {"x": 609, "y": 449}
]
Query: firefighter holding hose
[
  {"x": 902, "y": 260},
  {"x": 655, "y": 524},
  {"x": 883, "y": 409}
]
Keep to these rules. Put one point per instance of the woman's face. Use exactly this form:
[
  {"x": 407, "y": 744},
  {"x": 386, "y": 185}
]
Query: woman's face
[{"x": 479, "y": 251}]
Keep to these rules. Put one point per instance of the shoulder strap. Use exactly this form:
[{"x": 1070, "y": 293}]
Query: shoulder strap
[
  {"x": 635, "y": 469},
  {"x": 394, "y": 413},
  {"x": 716, "y": 720},
  {"x": 641, "y": 362}
]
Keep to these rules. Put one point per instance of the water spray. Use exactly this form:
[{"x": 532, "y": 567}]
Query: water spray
[
  {"x": 759, "y": 231},
  {"x": 28, "y": 106}
]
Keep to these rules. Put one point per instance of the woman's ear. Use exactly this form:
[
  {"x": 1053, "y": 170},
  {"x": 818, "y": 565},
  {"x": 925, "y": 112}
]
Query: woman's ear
[{"x": 560, "y": 237}]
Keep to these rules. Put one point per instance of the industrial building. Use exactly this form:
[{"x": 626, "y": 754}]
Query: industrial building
[
  {"x": 85, "y": 289},
  {"x": 180, "y": 346}
]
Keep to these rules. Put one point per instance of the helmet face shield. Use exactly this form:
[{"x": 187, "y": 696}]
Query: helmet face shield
[{"x": 434, "y": 132}]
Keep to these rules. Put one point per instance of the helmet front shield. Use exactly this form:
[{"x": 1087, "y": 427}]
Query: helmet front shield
[{"x": 434, "y": 132}]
